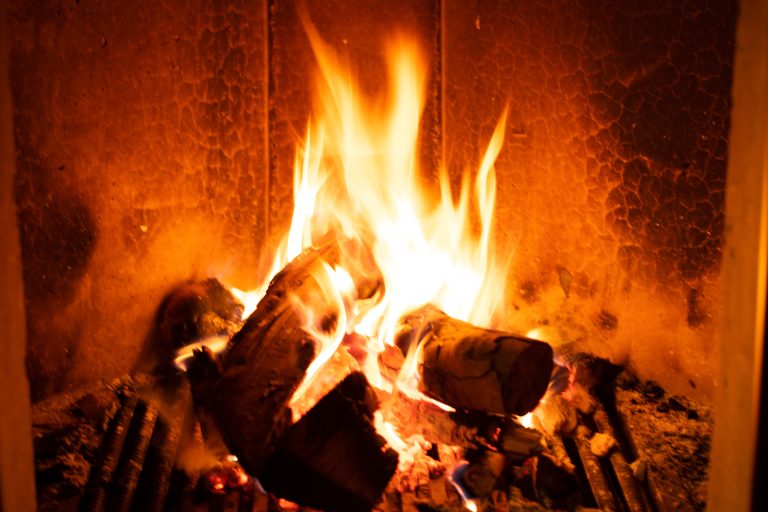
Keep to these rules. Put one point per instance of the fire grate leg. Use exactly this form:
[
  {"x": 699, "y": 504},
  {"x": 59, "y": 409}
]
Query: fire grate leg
[
  {"x": 130, "y": 468},
  {"x": 95, "y": 497}
]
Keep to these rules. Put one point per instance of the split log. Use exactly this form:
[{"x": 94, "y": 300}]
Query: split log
[
  {"x": 332, "y": 458},
  {"x": 269, "y": 357},
  {"x": 469, "y": 367}
]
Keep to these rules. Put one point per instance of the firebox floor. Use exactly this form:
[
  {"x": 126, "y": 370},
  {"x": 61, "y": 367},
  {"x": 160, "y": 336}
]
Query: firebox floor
[{"x": 137, "y": 444}]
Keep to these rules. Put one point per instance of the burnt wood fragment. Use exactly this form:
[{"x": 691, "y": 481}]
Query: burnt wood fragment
[
  {"x": 519, "y": 443},
  {"x": 546, "y": 479},
  {"x": 469, "y": 367},
  {"x": 198, "y": 310},
  {"x": 153, "y": 488},
  {"x": 484, "y": 470},
  {"x": 332, "y": 458}
]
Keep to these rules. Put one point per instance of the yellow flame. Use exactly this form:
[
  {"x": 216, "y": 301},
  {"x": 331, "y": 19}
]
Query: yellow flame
[
  {"x": 357, "y": 174},
  {"x": 331, "y": 282},
  {"x": 426, "y": 252},
  {"x": 526, "y": 420},
  {"x": 213, "y": 343}
]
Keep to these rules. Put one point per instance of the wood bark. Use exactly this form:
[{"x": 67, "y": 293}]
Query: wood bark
[
  {"x": 332, "y": 458},
  {"x": 468, "y": 367}
]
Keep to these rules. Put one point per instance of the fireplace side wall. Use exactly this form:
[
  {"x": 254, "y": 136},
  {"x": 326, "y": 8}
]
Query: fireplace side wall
[{"x": 141, "y": 157}]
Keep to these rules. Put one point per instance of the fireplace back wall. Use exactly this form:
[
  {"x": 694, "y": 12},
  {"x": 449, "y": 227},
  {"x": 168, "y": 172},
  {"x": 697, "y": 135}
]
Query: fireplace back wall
[{"x": 156, "y": 143}]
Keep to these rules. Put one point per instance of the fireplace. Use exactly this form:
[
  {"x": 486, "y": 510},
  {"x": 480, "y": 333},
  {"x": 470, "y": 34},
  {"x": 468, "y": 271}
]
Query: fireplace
[{"x": 155, "y": 145}]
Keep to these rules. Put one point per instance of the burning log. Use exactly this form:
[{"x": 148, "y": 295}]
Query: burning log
[
  {"x": 269, "y": 357},
  {"x": 332, "y": 458},
  {"x": 473, "y": 368}
]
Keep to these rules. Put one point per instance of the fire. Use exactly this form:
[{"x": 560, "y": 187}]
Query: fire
[
  {"x": 356, "y": 177},
  {"x": 357, "y": 174}
]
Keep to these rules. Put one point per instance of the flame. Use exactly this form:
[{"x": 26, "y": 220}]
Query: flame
[
  {"x": 526, "y": 420},
  {"x": 357, "y": 176},
  {"x": 332, "y": 282},
  {"x": 469, "y": 503}
]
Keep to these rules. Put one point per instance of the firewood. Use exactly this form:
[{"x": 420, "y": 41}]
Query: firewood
[
  {"x": 470, "y": 367},
  {"x": 332, "y": 458},
  {"x": 268, "y": 358},
  {"x": 127, "y": 478}
]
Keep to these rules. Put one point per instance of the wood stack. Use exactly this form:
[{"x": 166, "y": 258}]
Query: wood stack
[{"x": 332, "y": 458}]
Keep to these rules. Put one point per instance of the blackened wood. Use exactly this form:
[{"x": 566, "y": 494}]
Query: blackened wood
[
  {"x": 548, "y": 478},
  {"x": 469, "y": 367},
  {"x": 519, "y": 443},
  {"x": 333, "y": 459},
  {"x": 480, "y": 476},
  {"x": 155, "y": 482},
  {"x": 198, "y": 310},
  {"x": 269, "y": 357},
  {"x": 268, "y": 361}
]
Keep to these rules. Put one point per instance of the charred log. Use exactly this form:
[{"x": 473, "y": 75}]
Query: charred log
[
  {"x": 333, "y": 459},
  {"x": 132, "y": 460},
  {"x": 95, "y": 498},
  {"x": 473, "y": 368},
  {"x": 269, "y": 357}
]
